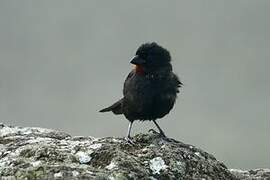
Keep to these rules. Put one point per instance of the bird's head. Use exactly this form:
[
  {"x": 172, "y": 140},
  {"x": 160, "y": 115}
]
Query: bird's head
[{"x": 151, "y": 57}]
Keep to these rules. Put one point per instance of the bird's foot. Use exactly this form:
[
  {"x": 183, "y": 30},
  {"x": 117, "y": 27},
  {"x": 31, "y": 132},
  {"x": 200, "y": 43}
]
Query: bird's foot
[
  {"x": 161, "y": 134},
  {"x": 129, "y": 141},
  {"x": 152, "y": 131}
]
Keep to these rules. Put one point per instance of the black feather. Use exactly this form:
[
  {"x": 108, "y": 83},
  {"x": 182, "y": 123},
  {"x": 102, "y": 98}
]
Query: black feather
[{"x": 116, "y": 108}]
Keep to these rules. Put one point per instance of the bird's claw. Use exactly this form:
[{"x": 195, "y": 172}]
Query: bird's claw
[
  {"x": 152, "y": 131},
  {"x": 160, "y": 133},
  {"x": 129, "y": 141},
  {"x": 163, "y": 135}
]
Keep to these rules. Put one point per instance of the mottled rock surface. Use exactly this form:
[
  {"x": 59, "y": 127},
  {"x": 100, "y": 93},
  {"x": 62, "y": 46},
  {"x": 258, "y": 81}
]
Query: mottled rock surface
[
  {"x": 255, "y": 174},
  {"x": 37, "y": 153}
]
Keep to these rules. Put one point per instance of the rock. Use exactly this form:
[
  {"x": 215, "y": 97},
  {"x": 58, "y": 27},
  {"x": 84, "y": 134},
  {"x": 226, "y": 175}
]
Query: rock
[
  {"x": 37, "y": 153},
  {"x": 255, "y": 174}
]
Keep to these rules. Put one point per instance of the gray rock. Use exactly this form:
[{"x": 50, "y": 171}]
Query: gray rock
[
  {"x": 255, "y": 174},
  {"x": 37, "y": 153}
]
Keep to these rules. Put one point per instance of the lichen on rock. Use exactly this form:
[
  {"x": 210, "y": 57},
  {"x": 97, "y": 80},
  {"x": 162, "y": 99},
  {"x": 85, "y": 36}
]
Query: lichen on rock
[
  {"x": 157, "y": 164},
  {"x": 37, "y": 153}
]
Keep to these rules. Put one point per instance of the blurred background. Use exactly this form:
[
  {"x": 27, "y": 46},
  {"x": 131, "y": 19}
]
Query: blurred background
[{"x": 62, "y": 61}]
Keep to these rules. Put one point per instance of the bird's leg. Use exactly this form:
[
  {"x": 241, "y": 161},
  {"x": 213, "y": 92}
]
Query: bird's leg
[
  {"x": 128, "y": 138},
  {"x": 160, "y": 130},
  {"x": 129, "y": 129}
]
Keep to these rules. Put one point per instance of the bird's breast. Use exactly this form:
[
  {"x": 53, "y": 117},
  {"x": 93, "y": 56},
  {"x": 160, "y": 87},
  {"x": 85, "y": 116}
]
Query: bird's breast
[{"x": 139, "y": 69}]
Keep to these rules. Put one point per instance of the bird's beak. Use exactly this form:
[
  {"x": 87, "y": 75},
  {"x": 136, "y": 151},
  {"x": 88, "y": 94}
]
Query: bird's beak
[{"x": 137, "y": 60}]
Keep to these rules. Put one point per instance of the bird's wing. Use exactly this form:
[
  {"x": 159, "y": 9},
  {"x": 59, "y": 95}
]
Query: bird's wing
[{"x": 116, "y": 108}]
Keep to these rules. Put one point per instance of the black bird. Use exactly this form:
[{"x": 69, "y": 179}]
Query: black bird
[{"x": 150, "y": 89}]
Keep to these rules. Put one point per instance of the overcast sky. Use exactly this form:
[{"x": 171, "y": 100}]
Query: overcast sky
[{"x": 62, "y": 61}]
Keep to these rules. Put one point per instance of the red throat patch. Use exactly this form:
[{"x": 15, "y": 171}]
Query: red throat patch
[{"x": 139, "y": 69}]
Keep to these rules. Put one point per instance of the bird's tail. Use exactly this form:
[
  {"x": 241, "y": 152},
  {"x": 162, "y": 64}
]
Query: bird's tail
[{"x": 116, "y": 108}]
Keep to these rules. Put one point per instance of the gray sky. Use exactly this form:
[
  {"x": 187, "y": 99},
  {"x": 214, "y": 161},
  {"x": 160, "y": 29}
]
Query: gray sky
[{"x": 62, "y": 61}]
